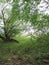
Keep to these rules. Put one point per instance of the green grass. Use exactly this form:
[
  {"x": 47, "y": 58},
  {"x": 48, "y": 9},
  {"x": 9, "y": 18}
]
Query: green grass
[{"x": 26, "y": 49}]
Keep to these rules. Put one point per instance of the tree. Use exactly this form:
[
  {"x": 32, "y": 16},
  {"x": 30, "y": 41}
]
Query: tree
[
  {"x": 29, "y": 13},
  {"x": 24, "y": 11},
  {"x": 10, "y": 26}
]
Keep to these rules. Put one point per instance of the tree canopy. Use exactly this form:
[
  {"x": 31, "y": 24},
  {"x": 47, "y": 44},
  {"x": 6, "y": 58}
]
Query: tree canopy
[{"x": 21, "y": 11}]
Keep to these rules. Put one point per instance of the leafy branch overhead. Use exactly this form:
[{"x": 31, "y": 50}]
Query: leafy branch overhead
[{"x": 16, "y": 12}]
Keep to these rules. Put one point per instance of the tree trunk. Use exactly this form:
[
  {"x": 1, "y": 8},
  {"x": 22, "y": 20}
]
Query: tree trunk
[
  {"x": 7, "y": 37},
  {"x": 3, "y": 38}
]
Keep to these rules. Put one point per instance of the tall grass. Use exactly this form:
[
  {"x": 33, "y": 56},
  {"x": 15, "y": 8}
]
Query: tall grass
[{"x": 27, "y": 49}]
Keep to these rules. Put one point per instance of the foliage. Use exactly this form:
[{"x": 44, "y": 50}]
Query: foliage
[
  {"x": 24, "y": 11},
  {"x": 10, "y": 25},
  {"x": 27, "y": 51}
]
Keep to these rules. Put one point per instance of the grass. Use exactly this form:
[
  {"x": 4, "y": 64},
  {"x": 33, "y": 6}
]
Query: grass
[{"x": 27, "y": 51}]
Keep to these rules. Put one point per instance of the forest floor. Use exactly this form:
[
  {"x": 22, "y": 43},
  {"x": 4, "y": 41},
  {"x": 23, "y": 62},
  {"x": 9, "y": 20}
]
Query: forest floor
[{"x": 27, "y": 52}]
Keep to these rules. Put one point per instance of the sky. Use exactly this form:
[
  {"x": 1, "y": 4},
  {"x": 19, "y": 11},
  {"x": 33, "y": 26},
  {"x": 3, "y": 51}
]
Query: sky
[{"x": 42, "y": 7}]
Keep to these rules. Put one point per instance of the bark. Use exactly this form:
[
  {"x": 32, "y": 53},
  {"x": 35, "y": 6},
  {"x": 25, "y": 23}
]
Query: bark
[
  {"x": 3, "y": 38},
  {"x": 6, "y": 37},
  {"x": 13, "y": 40}
]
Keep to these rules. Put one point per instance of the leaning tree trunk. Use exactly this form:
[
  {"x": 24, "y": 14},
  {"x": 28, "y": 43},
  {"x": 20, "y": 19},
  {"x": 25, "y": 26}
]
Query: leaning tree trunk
[{"x": 6, "y": 36}]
